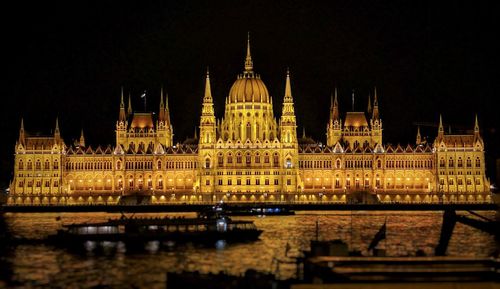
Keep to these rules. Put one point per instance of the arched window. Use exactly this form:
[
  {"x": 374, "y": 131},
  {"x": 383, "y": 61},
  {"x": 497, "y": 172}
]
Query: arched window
[
  {"x": 158, "y": 164},
  {"x": 257, "y": 158},
  {"x": 450, "y": 162},
  {"x": 207, "y": 163},
  {"x": 38, "y": 165},
  {"x": 229, "y": 158},
  {"x": 56, "y": 165},
  {"x": 288, "y": 163},
  {"x": 46, "y": 165},
  {"x": 248, "y": 159},
  {"x": 379, "y": 164},
  {"x": 220, "y": 160},
  {"x": 469, "y": 163},
  {"x": 266, "y": 158},
  {"x": 275, "y": 160},
  {"x": 238, "y": 158},
  {"x": 21, "y": 165},
  {"x": 338, "y": 164},
  {"x": 118, "y": 165},
  {"x": 441, "y": 163},
  {"x": 460, "y": 163},
  {"x": 478, "y": 163}
]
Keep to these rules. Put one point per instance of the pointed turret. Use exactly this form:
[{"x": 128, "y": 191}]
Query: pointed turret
[
  {"x": 248, "y": 59},
  {"x": 207, "y": 121},
  {"x": 476, "y": 126},
  {"x": 440, "y": 128},
  {"x": 375, "y": 114},
  {"x": 208, "y": 90},
  {"x": 22, "y": 136},
  {"x": 57, "y": 133},
  {"x": 122, "y": 116},
  {"x": 334, "y": 110},
  {"x": 165, "y": 129},
  {"x": 333, "y": 128},
  {"x": 82, "y": 139},
  {"x": 288, "y": 126},
  {"x": 419, "y": 137},
  {"x": 161, "y": 113}
]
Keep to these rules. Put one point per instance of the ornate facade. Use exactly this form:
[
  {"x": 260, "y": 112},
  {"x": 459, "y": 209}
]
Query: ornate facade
[{"x": 249, "y": 156}]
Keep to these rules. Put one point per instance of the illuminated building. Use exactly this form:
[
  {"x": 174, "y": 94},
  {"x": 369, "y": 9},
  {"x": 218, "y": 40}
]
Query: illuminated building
[{"x": 249, "y": 155}]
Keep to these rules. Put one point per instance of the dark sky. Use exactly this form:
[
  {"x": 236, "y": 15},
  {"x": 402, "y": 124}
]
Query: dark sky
[{"x": 424, "y": 57}]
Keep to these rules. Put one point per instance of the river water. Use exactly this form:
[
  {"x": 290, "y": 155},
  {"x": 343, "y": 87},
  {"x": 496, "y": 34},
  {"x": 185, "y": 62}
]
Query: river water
[{"x": 41, "y": 266}]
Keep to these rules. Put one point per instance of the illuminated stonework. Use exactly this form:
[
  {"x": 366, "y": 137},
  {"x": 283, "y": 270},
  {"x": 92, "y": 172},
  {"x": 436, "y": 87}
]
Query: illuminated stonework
[{"x": 249, "y": 156}]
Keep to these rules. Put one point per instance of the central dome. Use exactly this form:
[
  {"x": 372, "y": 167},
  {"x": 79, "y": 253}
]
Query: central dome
[{"x": 248, "y": 88}]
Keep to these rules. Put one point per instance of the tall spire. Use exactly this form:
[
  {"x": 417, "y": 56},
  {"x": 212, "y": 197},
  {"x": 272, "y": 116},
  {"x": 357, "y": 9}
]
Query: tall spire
[
  {"x": 375, "y": 114},
  {"x": 195, "y": 133},
  {"x": 208, "y": 90},
  {"x": 207, "y": 120},
  {"x": 419, "y": 137},
  {"x": 129, "y": 109},
  {"x": 57, "y": 133},
  {"x": 248, "y": 59},
  {"x": 122, "y": 116},
  {"x": 21, "y": 132},
  {"x": 288, "y": 88},
  {"x": 304, "y": 132},
  {"x": 82, "y": 139},
  {"x": 288, "y": 123},
  {"x": 476, "y": 125},
  {"x": 161, "y": 114},
  {"x": 441, "y": 128},
  {"x": 288, "y": 108},
  {"x": 334, "y": 114}
]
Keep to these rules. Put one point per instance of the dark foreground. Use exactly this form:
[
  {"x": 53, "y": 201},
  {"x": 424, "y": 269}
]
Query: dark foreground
[{"x": 248, "y": 206}]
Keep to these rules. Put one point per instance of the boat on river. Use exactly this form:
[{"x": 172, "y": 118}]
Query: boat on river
[{"x": 205, "y": 228}]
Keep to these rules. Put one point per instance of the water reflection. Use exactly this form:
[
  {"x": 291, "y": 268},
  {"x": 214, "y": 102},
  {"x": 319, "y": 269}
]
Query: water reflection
[{"x": 119, "y": 266}]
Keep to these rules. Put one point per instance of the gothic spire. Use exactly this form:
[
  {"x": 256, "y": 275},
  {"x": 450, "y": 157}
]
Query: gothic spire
[
  {"x": 208, "y": 90},
  {"x": 441, "y": 128},
  {"x": 375, "y": 114},
  {"x": 334, "y": 110},
  {"x": 248, "y": 59},
  {"x": 161, "y": 114},
  {"x": 122, "y": 116},
  {"x": 419, "y": 137},
  {"x": 288, "y": 88},
  {"x": 21, "y": 132},
  {"x": 288, "y": 109},
  {"x": 57, "y": 133},
  {"x": 476, "y": 126},
  {"x": 82, "y": 139},
  {"x": 129, "y": 109}
]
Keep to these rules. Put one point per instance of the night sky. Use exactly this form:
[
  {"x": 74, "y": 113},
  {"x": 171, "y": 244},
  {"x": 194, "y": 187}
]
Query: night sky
[{"x": 424, "y": 57}]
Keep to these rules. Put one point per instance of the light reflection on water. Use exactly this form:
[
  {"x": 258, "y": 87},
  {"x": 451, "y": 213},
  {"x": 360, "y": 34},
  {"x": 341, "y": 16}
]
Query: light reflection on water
[{"x": 42, "y": 266}]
